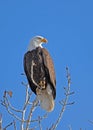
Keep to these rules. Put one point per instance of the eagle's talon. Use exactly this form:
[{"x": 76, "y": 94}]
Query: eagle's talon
[{"x": 42, "y": 84}]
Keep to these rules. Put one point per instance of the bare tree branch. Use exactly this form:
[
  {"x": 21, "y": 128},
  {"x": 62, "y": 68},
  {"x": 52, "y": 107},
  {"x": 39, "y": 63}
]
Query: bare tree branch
[
  {"x": 63, "y": 102},
  {"x": 8, "y": 106},
  {"x": 27, "y": 98},
  {"x": 35, "y": 103},
  {"x": 25, "y": 121}
]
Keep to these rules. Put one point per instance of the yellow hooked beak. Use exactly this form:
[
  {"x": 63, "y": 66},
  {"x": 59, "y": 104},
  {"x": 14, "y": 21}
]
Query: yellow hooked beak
[{"x": 44, "y": 40}]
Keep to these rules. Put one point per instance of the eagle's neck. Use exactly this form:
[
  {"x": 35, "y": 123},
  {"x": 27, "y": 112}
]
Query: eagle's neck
[{"x": 33, "y": 46}]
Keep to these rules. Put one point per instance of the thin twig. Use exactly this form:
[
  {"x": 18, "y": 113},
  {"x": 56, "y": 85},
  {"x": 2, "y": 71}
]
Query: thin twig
[
  {"x": 91, "y": 122},
  {"x": 0, "y": 121},
  {"x": 39, "y": 122},
  {"x": 12, "y": 123},
  {"x": 40, "y": 118},
  {"x": 70, "y": 128},
  {"x": 7, "y": 105},
  {"x": 15, "y": 125},
  {"x": 11, "y": 107},
  {"x": 11, "y": 113}
]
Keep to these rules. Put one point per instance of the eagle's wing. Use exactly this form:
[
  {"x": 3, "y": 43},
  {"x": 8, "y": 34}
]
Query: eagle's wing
[
  {"x": 28, "y": 58},
  {"x": 49, "y": 65}
]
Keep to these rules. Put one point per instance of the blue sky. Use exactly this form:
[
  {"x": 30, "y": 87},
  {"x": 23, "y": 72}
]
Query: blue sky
[{"x": 68, "y": 26}]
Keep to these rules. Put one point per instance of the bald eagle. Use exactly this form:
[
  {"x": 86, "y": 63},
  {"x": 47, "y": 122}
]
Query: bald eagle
[{"x": 39, "y": 70}]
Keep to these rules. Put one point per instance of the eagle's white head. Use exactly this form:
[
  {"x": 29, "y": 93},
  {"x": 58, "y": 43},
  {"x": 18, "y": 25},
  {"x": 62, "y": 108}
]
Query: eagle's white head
[{"x": 36, "y": 42}]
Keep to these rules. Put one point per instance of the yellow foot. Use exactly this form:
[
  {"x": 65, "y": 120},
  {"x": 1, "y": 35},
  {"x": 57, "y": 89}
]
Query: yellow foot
[{"x": 42, "y": 84}]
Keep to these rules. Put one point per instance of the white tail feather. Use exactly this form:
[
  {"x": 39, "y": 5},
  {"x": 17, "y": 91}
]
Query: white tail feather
[{"x": 46, "y": 99}]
